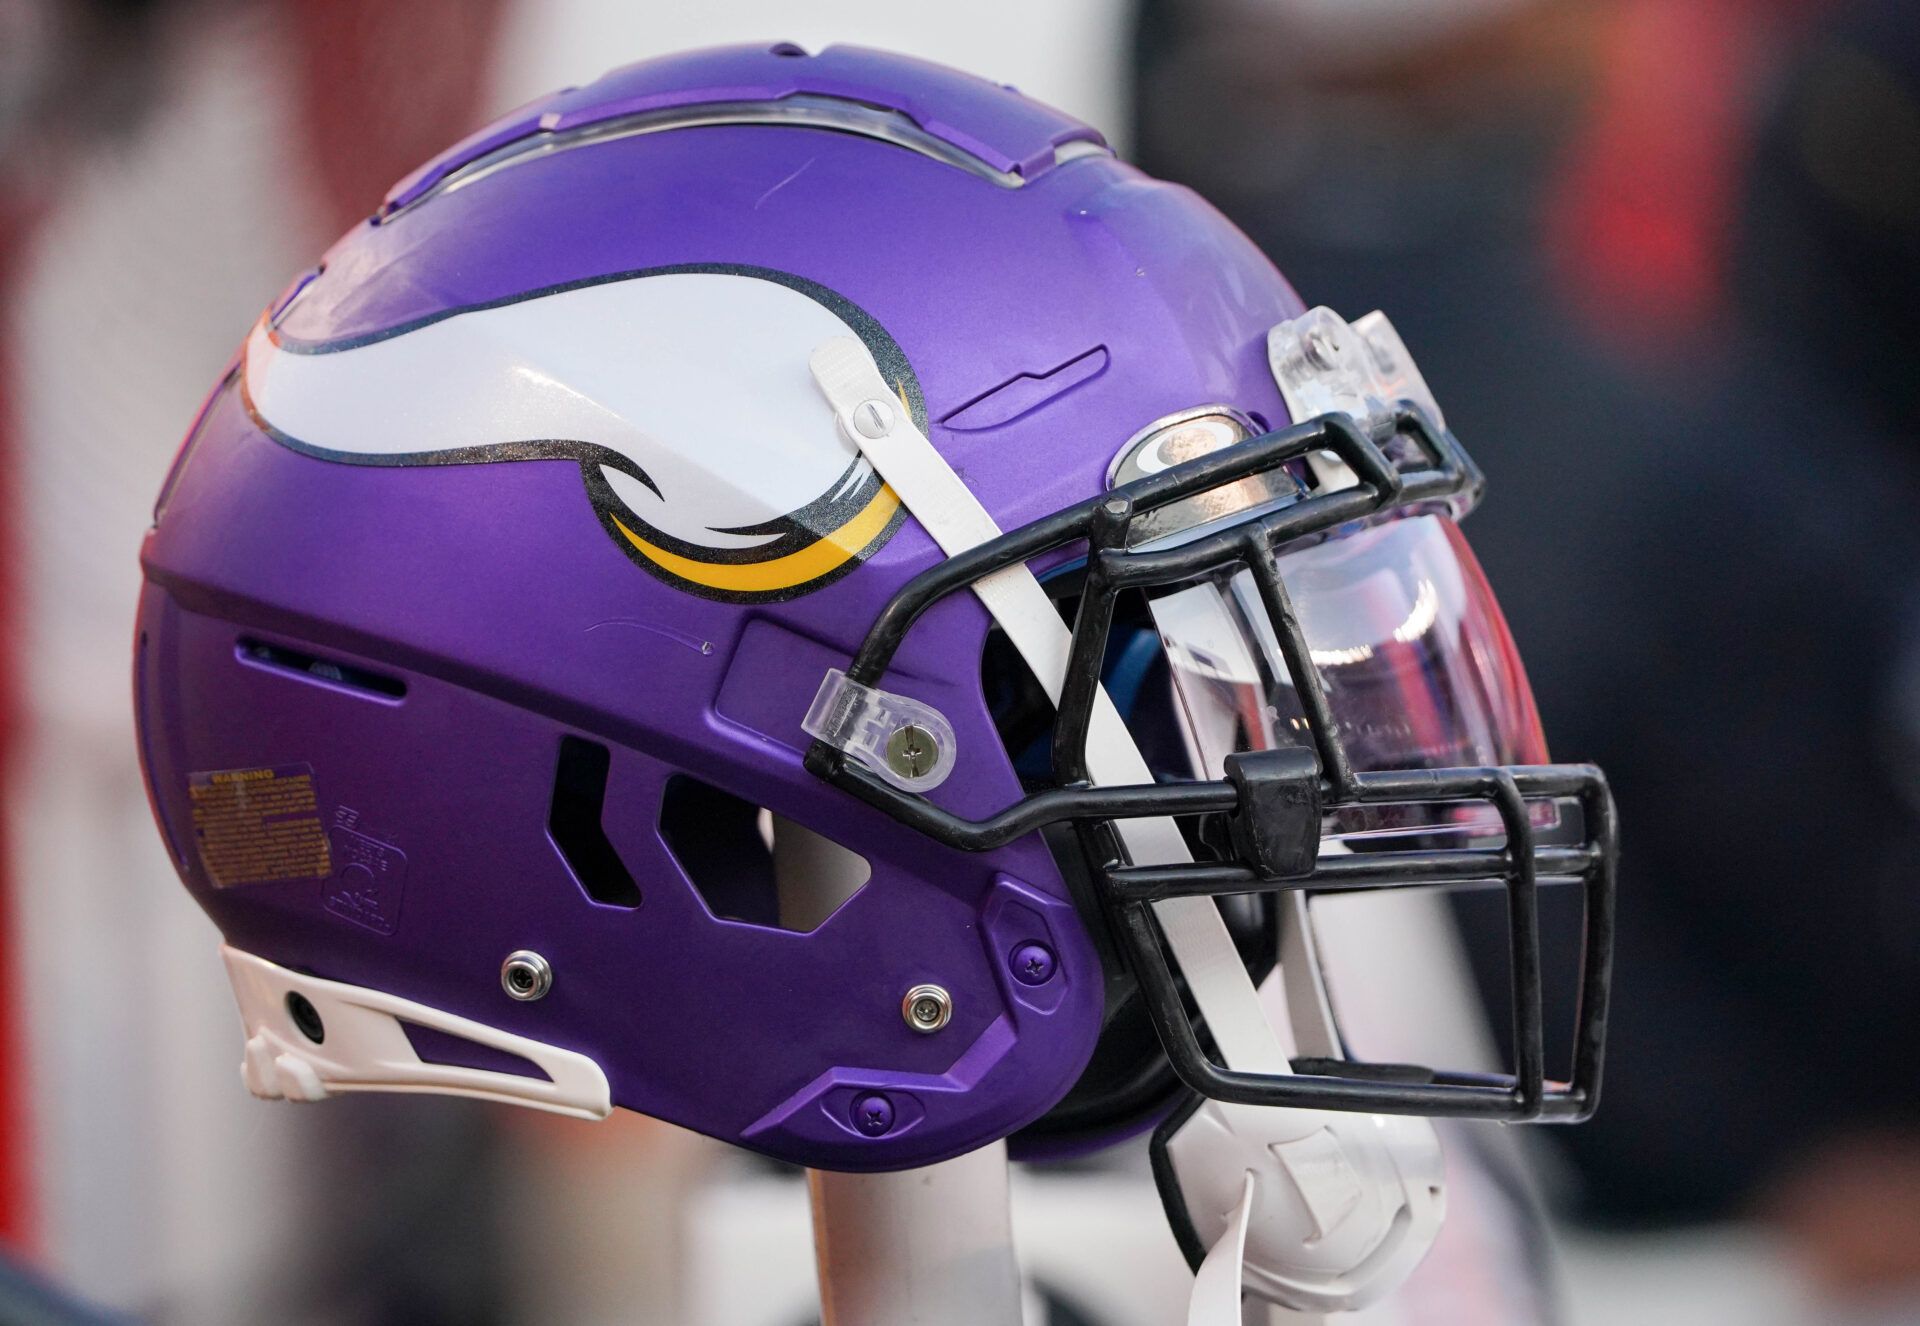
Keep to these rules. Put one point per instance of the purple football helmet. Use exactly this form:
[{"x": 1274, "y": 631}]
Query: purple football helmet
[{"x": 795, "y": 594}]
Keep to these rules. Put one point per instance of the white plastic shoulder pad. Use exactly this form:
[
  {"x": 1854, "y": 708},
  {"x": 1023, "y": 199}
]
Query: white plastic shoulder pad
[
  {"x": 364, "y": 1047},
  {"x": 1343, "y": 1206}
]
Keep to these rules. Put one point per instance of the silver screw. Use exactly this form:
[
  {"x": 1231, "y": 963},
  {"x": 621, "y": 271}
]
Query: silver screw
[
  {"x": 927, "y": 1008},
  {"x": 1323, "y": 349},
  {"x": 912, "y": 751},
  {"x": 873, "y": 419},
  {"x": 526, "y": 976}
]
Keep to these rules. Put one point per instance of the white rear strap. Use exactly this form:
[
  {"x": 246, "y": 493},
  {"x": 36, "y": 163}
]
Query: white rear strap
[{"x": 941, "y": 501}]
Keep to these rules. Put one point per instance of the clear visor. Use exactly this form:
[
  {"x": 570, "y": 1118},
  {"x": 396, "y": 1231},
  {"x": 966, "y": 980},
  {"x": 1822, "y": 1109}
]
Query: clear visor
[{"x": 1418, "y": 666}]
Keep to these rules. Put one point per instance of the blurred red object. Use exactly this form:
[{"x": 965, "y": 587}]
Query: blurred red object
[
  {"x": 16, "y": 1210},
  {"x": 376, "y": 88},
  {"x": 1640, "y": 221},
  {"x": 382, "y": 86},
  {"x": 1851, "y": 1211}
]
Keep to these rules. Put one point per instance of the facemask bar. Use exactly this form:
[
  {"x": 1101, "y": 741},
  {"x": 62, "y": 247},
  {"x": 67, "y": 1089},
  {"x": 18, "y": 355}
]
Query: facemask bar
[{"x": 1272, "y": 802}]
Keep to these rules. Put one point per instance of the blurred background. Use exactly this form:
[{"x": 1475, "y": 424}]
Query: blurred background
[{"x": 1660, "y": 260}]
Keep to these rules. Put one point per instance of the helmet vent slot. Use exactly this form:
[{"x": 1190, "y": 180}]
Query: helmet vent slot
[
  {"x": 327, "y": 672},
  {"x": 752, "y": 866},
  {"x": 573, "y": 823},
  {"x": 443, "y": 1047}
]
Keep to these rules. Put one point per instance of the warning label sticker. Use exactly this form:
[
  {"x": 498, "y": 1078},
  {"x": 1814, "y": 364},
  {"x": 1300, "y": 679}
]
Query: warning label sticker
[{"x": 256, "y": 825}]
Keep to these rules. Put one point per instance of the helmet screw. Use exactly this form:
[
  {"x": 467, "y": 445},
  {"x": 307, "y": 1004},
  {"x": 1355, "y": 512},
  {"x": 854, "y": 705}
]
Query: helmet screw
[
  {"x": 873, "y": 1114},
  {"x": 927, "y": 1008},
  {"x": 525, "y": 976},
  {"x": 1323, "y": 350},
  {"x": 873, "y": 419},
  {"x": 912, "y": 751},
  {"x": 1032, "y": 964}
]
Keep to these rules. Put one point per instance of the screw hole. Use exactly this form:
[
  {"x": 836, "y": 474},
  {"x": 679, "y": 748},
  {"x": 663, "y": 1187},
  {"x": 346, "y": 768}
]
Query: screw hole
[{"x": 306, "y": 1017}]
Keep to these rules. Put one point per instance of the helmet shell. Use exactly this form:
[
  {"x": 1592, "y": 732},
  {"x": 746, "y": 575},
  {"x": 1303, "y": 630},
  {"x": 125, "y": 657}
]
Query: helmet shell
[{"x": 419, "y": 639}]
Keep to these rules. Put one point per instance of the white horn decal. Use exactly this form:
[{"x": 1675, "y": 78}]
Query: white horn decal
[{"x": 682, "y": 393}]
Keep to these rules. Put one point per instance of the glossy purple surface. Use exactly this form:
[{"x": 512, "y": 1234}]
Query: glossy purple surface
[
  {"x": 1008, "y": 133},
  {"x": 495, "y": 595}
]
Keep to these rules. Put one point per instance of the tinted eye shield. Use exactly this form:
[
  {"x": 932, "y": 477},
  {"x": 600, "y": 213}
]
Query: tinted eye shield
[{"x": 1271, "y": 804}]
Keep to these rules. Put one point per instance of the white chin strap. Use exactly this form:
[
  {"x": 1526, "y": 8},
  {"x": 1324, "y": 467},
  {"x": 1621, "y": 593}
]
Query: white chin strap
[{"x": 1315, "y": 1210}]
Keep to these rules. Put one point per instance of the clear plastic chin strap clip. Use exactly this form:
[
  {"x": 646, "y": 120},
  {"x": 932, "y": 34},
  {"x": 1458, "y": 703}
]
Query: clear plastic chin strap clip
[
  {"x": 1324, "y": 365},
  {"x": 908, "y": 743}
]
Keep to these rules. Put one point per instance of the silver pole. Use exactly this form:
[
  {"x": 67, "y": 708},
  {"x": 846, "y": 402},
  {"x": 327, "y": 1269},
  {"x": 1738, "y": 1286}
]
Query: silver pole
[{"x": 923, "y": 1247}]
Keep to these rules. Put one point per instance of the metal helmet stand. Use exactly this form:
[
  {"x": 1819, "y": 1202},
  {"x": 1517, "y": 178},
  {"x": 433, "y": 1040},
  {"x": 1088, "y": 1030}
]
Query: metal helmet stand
[{"x": 923, "y": 1247}]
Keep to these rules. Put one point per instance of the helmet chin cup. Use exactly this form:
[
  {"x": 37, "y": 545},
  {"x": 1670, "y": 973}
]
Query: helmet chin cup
[{"x": 1343, "y": 1207}]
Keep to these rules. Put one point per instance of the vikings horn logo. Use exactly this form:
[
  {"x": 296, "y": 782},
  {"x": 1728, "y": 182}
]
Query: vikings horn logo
[{"x": 682, "y": 392}]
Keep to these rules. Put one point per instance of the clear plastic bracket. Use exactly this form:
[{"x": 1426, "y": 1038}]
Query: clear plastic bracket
[
  {"x": 905, "y": 741},
  {"x": 1325, "y": 365}
]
